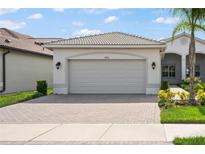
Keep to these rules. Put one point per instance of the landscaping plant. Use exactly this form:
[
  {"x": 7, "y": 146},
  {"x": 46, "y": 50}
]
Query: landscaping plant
[
  {"x": 42, "y": 87},
  {"x": 191, "y": 20},
  {"x": 166, "y": 99},
  {"x": 14, "y": 98},
  {"x": 9, "y": 99},
  {"x": 164, "y": 85},
  {"x": 184, "y": 97},
  {"x": 200, "y": 97},
  {"x": 198, "y": 85}
]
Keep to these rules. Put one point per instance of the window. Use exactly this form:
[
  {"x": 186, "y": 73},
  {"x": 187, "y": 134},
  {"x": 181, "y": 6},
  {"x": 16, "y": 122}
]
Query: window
[
  {"x": 165, "y": 71},
  {"x": 168, "y": 71},
  {"x": 197, "y": 71},
  {"x": 172, "y": 71}
]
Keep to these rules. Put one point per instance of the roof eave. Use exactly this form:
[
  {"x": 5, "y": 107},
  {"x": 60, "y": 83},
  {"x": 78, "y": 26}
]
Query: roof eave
[
  {"x": 12, "y": 48},
  {"x": 161, "y": 46}
]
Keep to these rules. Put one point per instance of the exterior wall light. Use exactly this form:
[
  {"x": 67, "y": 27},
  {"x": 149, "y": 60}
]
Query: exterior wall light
[
  {"x": 58, "y": 64},
  {"x": 153, "y": 65}
]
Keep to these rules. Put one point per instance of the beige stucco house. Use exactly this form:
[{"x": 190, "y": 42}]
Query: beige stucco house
[
  {"x": 98, "y": 64},
  {"x": 23, "y": 61},
  {"x": 107, "y": 63}
]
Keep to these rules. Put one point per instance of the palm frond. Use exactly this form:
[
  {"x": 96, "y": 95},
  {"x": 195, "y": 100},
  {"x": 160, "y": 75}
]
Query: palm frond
[
  {"x": 200, "y": 27},
  {"x": 181, "y": 26},
  {"x": 184, "y": 13}
]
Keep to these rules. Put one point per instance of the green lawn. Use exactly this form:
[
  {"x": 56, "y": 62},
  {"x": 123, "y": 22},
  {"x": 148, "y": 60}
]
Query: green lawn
[
  {"x": 189, "y": 141},
  {"x": 14, "y": 98},
  {"x": 188, "y": 114}
]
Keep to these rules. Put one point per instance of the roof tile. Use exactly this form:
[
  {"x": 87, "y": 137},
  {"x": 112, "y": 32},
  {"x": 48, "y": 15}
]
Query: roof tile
[
  {"x": 20, "y": 41},
  {"x": 113, "y": 38}
]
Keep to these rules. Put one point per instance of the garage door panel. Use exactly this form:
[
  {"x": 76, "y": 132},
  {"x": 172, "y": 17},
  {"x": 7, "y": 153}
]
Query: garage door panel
[{"x": 107, "y": 76}]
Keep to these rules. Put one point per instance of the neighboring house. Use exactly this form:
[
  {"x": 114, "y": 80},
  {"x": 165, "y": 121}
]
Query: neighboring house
[
  {"x": 107, "y": 63},
  {"x": 175, "y": 60},
  {"x": 23, "y": 61}
]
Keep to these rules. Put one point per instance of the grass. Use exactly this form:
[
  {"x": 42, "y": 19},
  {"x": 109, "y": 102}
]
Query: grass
[
  {"x": 14, "y": 98},
  {"x": 189, "y": 141},
  {"x": 189, "y": 114}
]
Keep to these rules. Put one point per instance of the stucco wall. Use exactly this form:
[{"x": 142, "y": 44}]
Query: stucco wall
[
  {"x": 24, "y": 69},
  {"x": 181, "y": 46},
  {"x": 1, "y": 52},
  {"x": 151, "y": 55}
]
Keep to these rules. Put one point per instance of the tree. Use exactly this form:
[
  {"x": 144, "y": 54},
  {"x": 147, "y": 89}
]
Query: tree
[{"x": 190, "y": 20}]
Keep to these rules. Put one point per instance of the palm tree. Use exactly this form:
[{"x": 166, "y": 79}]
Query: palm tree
[{"x": 191, "y": 20}]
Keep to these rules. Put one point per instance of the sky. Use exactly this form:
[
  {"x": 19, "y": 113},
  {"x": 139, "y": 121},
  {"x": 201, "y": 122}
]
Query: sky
[{"x": 65, "y": 23}]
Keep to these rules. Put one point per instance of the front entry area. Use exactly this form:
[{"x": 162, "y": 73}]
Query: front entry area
[
  {"x": 171, "y": 68},
  {"x": 107, "y": 76}
]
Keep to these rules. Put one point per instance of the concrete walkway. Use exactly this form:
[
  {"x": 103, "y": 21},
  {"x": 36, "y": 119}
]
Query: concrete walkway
[{"x": 96, "y": 133}]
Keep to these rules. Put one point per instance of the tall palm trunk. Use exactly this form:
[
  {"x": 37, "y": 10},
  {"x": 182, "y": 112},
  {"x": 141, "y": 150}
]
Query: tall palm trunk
[{"x": 192, "y": 61}]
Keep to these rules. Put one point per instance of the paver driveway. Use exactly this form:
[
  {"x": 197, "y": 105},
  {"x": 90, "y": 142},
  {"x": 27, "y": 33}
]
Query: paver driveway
[{"x": 84, "y": 109}]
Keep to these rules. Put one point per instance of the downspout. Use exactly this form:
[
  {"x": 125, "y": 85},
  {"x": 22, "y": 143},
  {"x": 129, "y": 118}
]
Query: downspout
[{"x": 4, "y": 71}]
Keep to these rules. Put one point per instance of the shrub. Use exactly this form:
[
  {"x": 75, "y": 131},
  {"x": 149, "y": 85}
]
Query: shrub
[
  {"x": 37, "y": 94},
  {"x": 164, "y": 85},
  {"x": 200, "y": 97},
  {"x": 183, "y": 95},
  {"x": 199, "y": 86},
  {"x": 202, "y": 101},
  {"x": 196, "y": 80},
  {"x": 42, "y": 87},
  {"x": 185, "y": 86},
  {"x": 184, "y": 98},
  {"x": 9, "y": 99},
  {"x": 49, "y": 91},
  {"x": 161, "y": 103},
  {"x": 166, "y": 99}
]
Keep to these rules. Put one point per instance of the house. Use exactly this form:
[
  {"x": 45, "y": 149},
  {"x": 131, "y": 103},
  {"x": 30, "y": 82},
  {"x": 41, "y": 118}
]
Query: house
[
  {"x": 110, "y": 63},
  {"x": 175, "y": 59},
  {"x": 23, "y": 61},
  {"x": 107, "y": 63}
]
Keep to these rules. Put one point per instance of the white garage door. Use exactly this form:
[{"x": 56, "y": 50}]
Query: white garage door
[{"x": 107, "y": 76}]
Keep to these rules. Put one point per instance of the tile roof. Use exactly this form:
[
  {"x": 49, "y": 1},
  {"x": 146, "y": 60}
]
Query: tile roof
[
  {"x": 18, "y": 41},
  {"x": 11, "y": 33},
  {"x": 113, "y": 38},
  {"x": 181, "y": 35},
  {"x": 44, "y": 40}
]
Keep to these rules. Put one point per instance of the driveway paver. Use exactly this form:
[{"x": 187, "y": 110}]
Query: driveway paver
[{"x": 122, "y": 109}]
